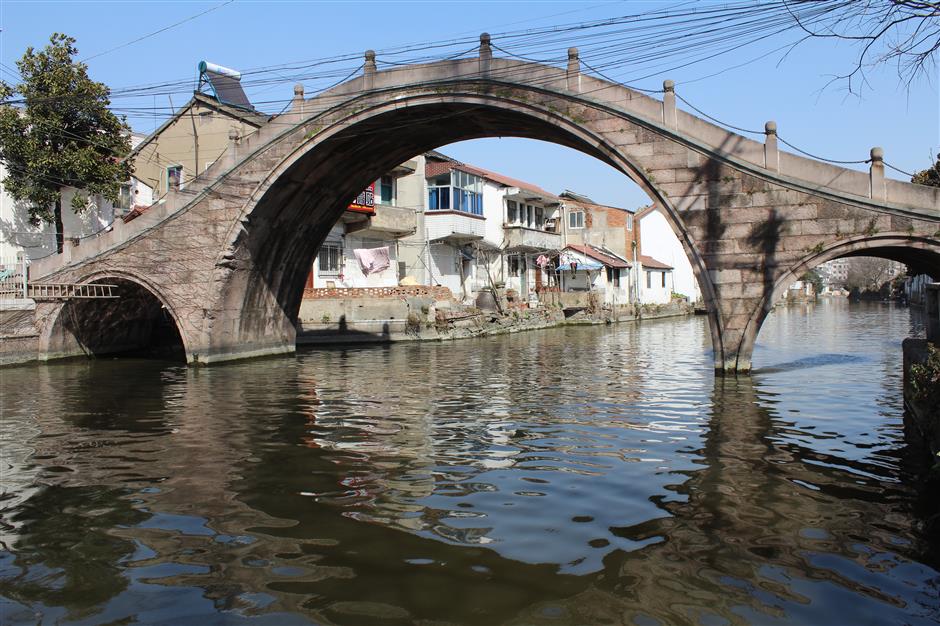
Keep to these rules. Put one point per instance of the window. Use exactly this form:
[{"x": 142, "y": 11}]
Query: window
[
  {"x": 387, "y": 190},
  {"x": 465, "y": 193},
  {"x": 576, "y": 219},
  {"x": 517, "y": 265},
  {"x": 664, "y": 279},
  {"x": 174, "y": 177},
  {"x": 629, "y": 221},
  {"x": 649, "y": 279},
  {"x": 539, "y": 216},
  {"x": 438, "y": 198},
  {"x": 125, "y": 199},
  {"x": 512, "y": 212},
  {"x": 331, "y": 255},
  {"x": 613, "y": 276}
]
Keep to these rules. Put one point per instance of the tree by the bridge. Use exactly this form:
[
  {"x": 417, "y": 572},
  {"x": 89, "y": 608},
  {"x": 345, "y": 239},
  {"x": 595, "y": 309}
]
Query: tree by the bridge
[
  {"x": 929, "y": 176},
  {"x": 868, "y": 273},
  {"x": 812, "y": 277},
  {"x": 56, "y": 132}
]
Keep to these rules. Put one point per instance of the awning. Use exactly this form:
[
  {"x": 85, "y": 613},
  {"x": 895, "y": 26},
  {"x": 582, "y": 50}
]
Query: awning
[{"x": 573, "y": 267}]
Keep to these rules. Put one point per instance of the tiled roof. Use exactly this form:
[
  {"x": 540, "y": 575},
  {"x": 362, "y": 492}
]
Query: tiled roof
[
  {"x": 652, "y": 263},
  {"x": 591, "y": 205},
  {"x": 602, "y": 257}
]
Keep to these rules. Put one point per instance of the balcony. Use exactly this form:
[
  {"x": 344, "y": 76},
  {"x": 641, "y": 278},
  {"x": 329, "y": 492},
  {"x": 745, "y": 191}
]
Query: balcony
[
  {"x": 520, "y": 238},
  {"x": 455, "y": 226},
  {"x": 387, "y": 221}
]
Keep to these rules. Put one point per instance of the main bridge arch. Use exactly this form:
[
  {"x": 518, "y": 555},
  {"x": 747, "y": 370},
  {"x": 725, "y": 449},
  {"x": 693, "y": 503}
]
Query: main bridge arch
[
  {"x": 291, "y": 211},
  {"x": 232, "y": 251}
]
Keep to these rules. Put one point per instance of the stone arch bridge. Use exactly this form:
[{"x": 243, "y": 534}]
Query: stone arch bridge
[{"x": 228, "y": 256}]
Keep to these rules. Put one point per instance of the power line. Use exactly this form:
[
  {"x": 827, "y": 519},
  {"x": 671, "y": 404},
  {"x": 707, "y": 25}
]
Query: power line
[{"x": 157, "y": 32}]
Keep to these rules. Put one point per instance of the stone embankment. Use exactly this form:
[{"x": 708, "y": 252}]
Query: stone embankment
[
  {"x": 922, "y": 374},
  {"x": 386, "y": 314},
  {"x": 407, "y": 314}
]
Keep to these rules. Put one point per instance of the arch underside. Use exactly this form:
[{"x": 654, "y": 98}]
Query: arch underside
[
  {"x": 921, "y": 255},
  {"x": 289, "y": 222},
  {"x": 136, "y": 322}
]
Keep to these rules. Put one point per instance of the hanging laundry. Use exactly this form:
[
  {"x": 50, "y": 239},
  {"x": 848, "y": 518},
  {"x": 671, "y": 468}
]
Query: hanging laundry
[
  {"x": 542, "y": 261},
  {"x": 372, "y": 260}
]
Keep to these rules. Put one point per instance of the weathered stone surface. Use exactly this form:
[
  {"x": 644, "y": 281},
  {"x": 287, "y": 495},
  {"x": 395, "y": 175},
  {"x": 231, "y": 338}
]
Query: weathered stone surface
[{"x": 228, "y": 257}]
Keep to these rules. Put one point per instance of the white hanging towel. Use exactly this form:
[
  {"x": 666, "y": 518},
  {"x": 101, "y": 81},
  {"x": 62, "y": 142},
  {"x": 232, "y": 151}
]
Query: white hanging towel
[{"x": 372, "y": 260}]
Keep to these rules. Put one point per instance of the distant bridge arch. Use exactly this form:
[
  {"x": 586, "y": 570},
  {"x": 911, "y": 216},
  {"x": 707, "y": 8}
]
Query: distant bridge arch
[
  {"x": 231, "y": 251},
  {"x": 920, "y": 254},
  {"x": 140, "y": 320}
]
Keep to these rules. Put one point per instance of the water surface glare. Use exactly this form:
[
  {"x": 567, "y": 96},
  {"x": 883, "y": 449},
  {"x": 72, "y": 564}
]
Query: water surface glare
[{"x": 584, "y": 475}]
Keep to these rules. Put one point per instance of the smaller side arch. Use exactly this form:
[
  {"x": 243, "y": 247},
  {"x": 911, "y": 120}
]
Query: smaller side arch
[
  {"x": 922, "y": 253},
  {"x": 141, "y": 321}
]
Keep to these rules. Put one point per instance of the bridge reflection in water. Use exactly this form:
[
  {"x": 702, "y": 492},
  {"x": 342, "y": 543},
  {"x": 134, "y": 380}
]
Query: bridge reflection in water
[{"x": 509, "y": 479}]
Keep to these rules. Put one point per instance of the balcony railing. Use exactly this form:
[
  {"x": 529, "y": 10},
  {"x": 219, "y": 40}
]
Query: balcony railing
[
  {"x": 455, "y": 225},
  {"x": 522, "y": 238}
]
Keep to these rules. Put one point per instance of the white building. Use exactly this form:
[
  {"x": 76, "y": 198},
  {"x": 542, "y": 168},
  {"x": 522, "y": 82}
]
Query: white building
[
  {"x": 362, "y": 249},
  {"x": 479, "y": 228},
  {"x": 657, "y": 282},
  {"x": 17, "y": 234},
  {"x": 587, "y": 268},
  {"x": 658, "y": 240}
]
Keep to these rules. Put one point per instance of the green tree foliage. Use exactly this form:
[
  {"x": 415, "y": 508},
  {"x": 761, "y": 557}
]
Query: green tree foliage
[
  {"x": 929, "y": 176},
  {"x": 56, "y": 131},
  {"x": 812, "y": 277}
]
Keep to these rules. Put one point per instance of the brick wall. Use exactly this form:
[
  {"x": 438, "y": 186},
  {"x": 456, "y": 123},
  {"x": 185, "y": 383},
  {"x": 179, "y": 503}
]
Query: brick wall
[{"x": 437, "y": 292}]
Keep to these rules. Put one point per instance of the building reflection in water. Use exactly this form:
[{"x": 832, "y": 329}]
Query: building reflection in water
[{"x": 574, "y": 476}]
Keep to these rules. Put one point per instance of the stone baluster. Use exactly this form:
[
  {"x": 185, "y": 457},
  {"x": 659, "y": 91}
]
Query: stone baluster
[
  {"x": 771, "y": 150},
  {"x": 486, "y": 53},
  {"x": 297, "y": 104},
  {"x": 368, "y": 71},
  {"x": 574, "y": 71},
  {"x": 669, "y": 104},
  {"x": 233, "y": 145},
  {"x": 877, "y": 174}
]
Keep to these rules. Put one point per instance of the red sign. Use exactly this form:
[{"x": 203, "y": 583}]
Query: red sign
[{"x": 365, "y": 201}]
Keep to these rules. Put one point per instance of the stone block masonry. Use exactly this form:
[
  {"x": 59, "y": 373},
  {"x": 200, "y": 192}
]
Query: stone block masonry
[{"x": 228, "y": 259}]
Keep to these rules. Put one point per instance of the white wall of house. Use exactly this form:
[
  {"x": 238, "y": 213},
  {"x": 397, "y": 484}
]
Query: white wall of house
[
  {"x": 335, "y": 274},
  {"x": 656, "y": 286},
  {"x": 658, "y": 241},
  {"x": 17, "y": 234},
  {"x": 353, "y": 274},
  {"x": 493, "y": 212},
  {"x": 596, "y": 280},
  {"x": 444, "y": 270}
]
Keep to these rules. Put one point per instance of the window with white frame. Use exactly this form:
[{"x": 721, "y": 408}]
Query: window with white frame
[
  {"x": 649, "y": 279},
  {"x": 125, "y": 199},
  {"x": 512, "y": 212},
  {"x": 459, "y": 191},
  {"x": 576, "y": 219},
  {"x": 174, "y": 177},
  {"x": 629, "y": 221},
  {"x": 331, "y": 259}
]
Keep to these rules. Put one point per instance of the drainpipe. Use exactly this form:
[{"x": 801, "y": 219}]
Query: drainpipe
[{"x": 636, "y": 276}]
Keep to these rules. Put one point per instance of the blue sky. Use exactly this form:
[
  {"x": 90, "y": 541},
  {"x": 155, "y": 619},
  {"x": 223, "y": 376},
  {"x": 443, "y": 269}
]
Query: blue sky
[{"x": 820, "y": 119}]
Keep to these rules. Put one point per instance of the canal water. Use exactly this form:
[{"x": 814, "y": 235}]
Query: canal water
[{"x": 583, "y": 475}]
